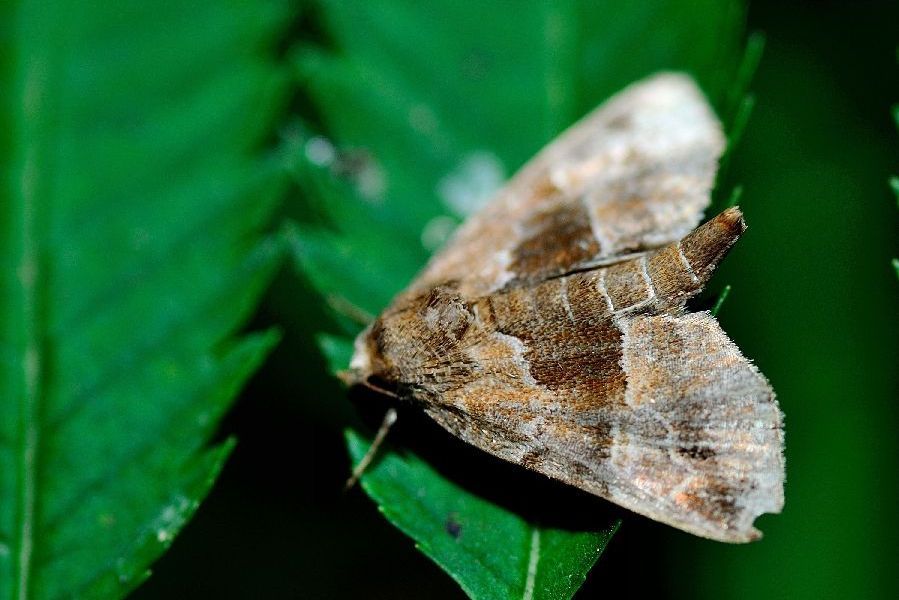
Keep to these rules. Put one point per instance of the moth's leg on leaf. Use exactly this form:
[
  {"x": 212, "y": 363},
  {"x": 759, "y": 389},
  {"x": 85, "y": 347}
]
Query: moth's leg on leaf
[{"x": 359, "y": 469}]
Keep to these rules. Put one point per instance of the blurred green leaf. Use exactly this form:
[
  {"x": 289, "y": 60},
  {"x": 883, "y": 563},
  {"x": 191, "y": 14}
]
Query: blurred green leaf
[
  {"x": 894, "y": 185},
  {"x": 462, "y": 532},
  {"x": 820, "y": 227},
  {"x": 132, "y": 201},
  {"x": 428, "y": 108},
  {"x": 719, "y": 302}
]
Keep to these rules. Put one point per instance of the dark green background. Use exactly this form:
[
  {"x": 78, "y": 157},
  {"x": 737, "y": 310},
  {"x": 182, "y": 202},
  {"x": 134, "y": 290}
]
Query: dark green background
[{"x": 814, "y": 303}]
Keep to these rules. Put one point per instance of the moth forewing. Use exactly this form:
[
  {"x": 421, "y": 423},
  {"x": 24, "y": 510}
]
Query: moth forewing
[
  {"x": 551, "y": 331},
  {"x": 632, "y": 175}
]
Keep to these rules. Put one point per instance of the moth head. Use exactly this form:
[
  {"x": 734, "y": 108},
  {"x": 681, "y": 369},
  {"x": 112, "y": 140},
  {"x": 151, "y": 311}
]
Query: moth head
[
  {"x": 366, "y": 362},
  {"x": 406, "y": 340},
  {"x": 361, "y": 363}
]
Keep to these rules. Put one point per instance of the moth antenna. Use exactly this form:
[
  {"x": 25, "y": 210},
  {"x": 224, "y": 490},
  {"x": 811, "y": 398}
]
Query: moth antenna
[
  {"x": 386, "y": 424},
  {"x": 349, "y": 310}
]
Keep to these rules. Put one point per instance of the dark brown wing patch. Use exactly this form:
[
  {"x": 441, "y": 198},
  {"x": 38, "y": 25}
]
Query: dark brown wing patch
[
  {"x": 553, "y": 242},
  {"x": 564, "y": 352}
]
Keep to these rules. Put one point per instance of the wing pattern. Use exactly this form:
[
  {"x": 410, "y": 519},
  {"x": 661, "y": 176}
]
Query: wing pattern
[
  {"x": 634, "y": 174},
  {"x": 551, "y": 331}
]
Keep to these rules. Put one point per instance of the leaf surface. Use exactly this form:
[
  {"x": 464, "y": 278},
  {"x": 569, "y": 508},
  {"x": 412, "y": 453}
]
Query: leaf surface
[
  {"x": 132, "y": 201},
  {"x": 462, "y": 532}
]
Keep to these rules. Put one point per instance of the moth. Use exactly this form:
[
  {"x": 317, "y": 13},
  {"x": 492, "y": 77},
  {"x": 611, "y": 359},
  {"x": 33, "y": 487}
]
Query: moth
[{"x": 551, "y": 330}]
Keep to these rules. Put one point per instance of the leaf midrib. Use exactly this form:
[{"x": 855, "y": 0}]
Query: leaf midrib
[
  {"x": 27, "y": 271},
  {"x": 34, "y": 76},
  {"x": 533, "y": 555}
]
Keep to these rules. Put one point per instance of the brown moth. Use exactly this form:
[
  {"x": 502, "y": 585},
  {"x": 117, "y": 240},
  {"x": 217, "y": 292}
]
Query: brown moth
[{"x": 551, "y": 330}]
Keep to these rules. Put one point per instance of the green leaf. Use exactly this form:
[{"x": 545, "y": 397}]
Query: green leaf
[
  {"x": 894, "y": 185},
  {"x": 428, "y": 107},
  {"x": 461, "y": 532},
  {"x": 719, "y": 302},
  {"x": 132, "y": 200}
]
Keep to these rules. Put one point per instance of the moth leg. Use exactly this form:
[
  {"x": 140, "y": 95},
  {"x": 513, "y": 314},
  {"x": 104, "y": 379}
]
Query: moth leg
[{"x": 359, "y": 469}]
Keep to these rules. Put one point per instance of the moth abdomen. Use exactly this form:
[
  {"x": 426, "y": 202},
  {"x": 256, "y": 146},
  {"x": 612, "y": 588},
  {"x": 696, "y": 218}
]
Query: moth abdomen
[
  {"x": 681, "y": 269},
  {"x": 706, "y": 245}
]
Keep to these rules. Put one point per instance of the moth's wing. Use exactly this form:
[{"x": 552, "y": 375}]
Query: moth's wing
[
  {"x": 634, "y": 174},
  {"x": 660, "y": 414},
  {"x": 707, "y": 410}
]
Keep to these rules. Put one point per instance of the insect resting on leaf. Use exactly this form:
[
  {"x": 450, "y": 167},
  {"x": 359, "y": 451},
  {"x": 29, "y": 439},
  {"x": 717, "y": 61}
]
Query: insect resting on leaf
[{"x": 551, "y": 331}]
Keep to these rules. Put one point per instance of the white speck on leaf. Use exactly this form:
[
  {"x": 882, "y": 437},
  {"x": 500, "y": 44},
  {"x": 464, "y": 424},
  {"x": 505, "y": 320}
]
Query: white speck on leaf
[
  {"x": 371, "y": 182},
  {"x": 470, "y": 185},
  {"x": 437, "y": 231},
  {"x": 320, "y": 151}
]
